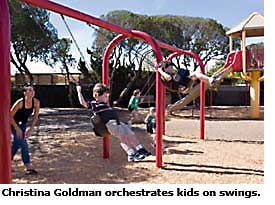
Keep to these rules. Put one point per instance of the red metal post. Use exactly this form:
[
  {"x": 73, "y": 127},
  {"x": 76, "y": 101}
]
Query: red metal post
[
  {"x": 52, "y": 6},
  {"x": 159, "y": 120},
  {"x": 159, "y": 87},
  {"x": 5, "y": 145},
  {"x": 107, "y": 53},
  {"x": 202, "y": 113},
  {"x": 105, "y": 80},
  {"x": 106, "y": 147},
  {"x": 106, "y": 139},
  {"x": 159, "y": 91},
  {"x": 202, "y": 86}
]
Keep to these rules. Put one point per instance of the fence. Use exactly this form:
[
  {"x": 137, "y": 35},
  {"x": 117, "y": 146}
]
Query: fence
[{"x": 58, "y": 96}]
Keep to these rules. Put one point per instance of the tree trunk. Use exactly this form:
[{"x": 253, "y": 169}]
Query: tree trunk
[
  {"x": 129, "y": 85},
  {"x": 23, "y": 69},
  {"x": 16, "y": 65}
]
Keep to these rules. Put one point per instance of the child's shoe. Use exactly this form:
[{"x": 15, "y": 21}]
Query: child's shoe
[
  {"x": 144, "y": 152},
  {"x": 135, "y": 157}
]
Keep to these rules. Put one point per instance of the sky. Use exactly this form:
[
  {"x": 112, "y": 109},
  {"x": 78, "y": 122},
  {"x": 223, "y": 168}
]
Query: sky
[{"x": 227, "y": 12}]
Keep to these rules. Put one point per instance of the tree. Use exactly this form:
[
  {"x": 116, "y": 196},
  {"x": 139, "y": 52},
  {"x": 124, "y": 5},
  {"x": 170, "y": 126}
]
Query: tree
[
  {"x": 218, "y": 65},
  {"x": 61, "y": 54},
  {"x": 32, "y": 37},
  {"x": 205, "y": 37}
]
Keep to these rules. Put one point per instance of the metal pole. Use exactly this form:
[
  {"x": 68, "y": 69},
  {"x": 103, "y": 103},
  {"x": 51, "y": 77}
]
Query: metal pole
[
  {"x": 58, "y": 8},
  {"x": 202, "y": 87},
  {"x": 202, "y": 113},
  {"x": 5, "y": 145},
  {"x": 159, "y": 87},
  {"x": 255, "y": 94},
  {"x": 105, "y": 80},
  {"x": 159, "y": 120}
]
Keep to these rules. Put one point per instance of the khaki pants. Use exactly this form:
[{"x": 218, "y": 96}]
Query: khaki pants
[{"x": 119, "y": 131}]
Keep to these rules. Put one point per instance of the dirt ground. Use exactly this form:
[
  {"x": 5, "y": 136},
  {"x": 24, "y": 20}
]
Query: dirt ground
[{"x": 65, "y": 150}]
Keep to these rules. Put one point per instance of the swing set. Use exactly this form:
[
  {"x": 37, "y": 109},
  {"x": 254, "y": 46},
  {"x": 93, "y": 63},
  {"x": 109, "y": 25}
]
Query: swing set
[{"x": 5, "y": 152}]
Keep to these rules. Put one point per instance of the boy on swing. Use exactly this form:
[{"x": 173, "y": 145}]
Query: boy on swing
[
  {"x": 100, "y": 106},
  {"x": 181, "y": 80}
]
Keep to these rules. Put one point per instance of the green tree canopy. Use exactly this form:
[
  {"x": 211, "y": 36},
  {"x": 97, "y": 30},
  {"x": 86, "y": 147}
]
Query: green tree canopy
[
  {"x": 34, "y": 38},
  {"x": 205, "y": 37}
]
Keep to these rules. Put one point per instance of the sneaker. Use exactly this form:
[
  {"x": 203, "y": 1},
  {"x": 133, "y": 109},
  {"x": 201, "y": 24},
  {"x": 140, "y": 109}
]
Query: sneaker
[
  {"x": 135, "y": 157},
  {"x": 144, "y": 152},
  {"x": 31, "y": 172}
]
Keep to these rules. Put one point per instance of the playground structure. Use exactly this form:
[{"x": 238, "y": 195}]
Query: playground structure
[
  {"x": 249, "y": 63},
  {"x": 5, "y": 169}
]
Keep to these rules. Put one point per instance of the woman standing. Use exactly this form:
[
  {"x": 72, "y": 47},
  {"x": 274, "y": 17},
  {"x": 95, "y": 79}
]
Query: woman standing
[{"x": 20, "y": 112}]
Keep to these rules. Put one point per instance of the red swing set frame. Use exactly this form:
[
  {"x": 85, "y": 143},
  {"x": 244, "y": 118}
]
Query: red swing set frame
[{"x": 5, "y": 145}]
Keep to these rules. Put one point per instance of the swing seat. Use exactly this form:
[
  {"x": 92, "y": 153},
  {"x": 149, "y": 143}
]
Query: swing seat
[{"x": 100, "y": 128}]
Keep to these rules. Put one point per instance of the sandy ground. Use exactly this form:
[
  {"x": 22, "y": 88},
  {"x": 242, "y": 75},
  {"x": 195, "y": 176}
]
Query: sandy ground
[{"x": 65, "y": 150}]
